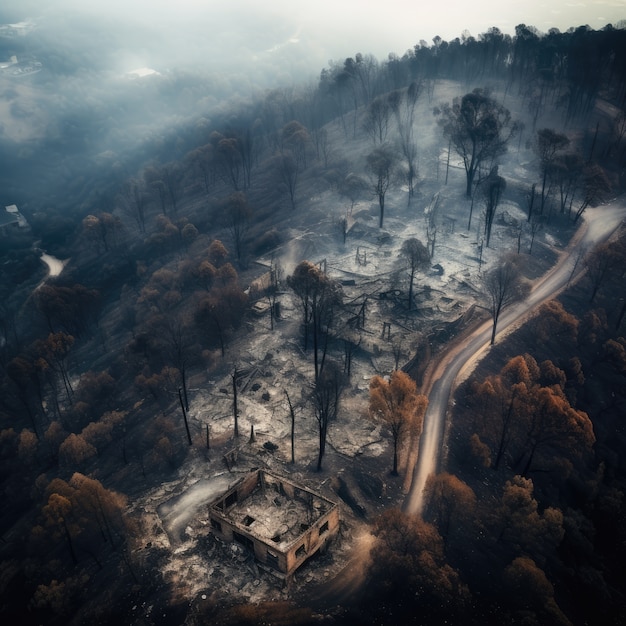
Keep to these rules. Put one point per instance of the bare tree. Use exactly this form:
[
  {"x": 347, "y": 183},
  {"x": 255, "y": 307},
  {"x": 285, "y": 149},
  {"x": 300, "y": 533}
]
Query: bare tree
[
  {"x": 153, "y": 179},
  {"x": 403, "y": 105},
  {"x": 596, "y": 186},
  {"x": 354, "y": 188},
  {"x": 492, "y": 187},
  {"x": 376, "y": 122},
  {"x": 319, "y": 296},
  {"x": 295, "y": 140},
  {"x": 567, "y": 171},
  {"x": 599, "y": 263},
  {"x": 535, "y": 226},
  {"x": 229, "y": 160},
  {"x": 234, "y": 376},
  {"x": 132, "y": 201},
  {"x": 502, "y": 286},
  {"x": 202, "y": 160},
  {"x": 237, "y": 213},
  {"x": 292, "y": 414},
  {"x": 548, "y": 144},
  {"x": 381, "y": 165},
  {"x": 101, "y": 229},
  {"x": 173, "y": 180},
  {"x": 431, "y": 224},
  {"x": 326, "y": 395},
  {"x": 416, "y": 257},
  {"x": 288, "y": 172},
  {"x": 275, "y": 277},
  {"x": 179, "y": 347}
]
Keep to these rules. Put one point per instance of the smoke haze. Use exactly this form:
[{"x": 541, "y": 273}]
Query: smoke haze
[{"x": 98, "y": 85}]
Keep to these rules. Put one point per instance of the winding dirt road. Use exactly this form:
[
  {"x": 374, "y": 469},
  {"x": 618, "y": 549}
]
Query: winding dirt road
[{"x": 461, "y": 358}]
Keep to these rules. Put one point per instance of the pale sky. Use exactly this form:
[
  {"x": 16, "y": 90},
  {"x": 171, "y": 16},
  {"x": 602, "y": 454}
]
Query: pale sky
[{"x": 339, "y": 27}]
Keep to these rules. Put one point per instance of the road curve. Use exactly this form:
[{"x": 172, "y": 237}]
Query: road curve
[
  {"x": 55, "y": 266},
  {"x": 461, "y": 358}
]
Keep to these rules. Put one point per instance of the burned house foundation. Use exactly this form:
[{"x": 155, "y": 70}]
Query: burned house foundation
[{"x": 282, "y": 523}]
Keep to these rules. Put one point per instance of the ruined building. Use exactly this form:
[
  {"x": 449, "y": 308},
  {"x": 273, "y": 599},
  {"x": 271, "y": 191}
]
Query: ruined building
[{"x": 283, "y": 523}]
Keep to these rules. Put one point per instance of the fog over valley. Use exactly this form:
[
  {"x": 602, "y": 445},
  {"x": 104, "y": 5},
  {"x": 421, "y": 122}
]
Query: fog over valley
[{"x": 102, "y": 86}]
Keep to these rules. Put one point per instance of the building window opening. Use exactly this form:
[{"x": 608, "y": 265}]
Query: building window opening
[
  {"x": 324, "y": 528},
  {"x": 300, "y": 552},
  {"x": 231, "y": 499}
]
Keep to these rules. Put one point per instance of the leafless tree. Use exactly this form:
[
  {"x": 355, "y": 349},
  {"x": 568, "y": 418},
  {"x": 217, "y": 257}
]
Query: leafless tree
[
  {"x": 492, "y": 187},
  {"x": 319, "y": 296},
  {"x": 275, "y": 278},
  {"x": 288, "y": 172},
  {"x": 535, "y": 226},
  {"x": 376, "y": 121},
  {"x": 132, "y": 201},
  {"x": 237, "y": 214},
  {"x": 354, "y": 188},
  {"x": 403, "y": 105},
  {"x": 416, "y": 257},
  {"x": 325, "y": 397},
  {"x": 502, "y": 286},
  {"x": 547, "y": 146},
  {"x": 595, "y": 186},
  {"x": 381, "y": 165},
  {"x": 431, "y": 224}
]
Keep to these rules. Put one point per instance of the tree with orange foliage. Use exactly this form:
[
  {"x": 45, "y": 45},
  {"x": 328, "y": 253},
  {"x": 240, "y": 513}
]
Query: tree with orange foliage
[
  {"x": 553, "y": 422},
  {"x": 57, "y": 513},
  {"x": 408, "y": 564},
  {"x": 450, "y": 501},
  {"x": 525, "y": 408},
  {"x": 53, "y": 352},
  {"x": 553, "y": 322},
  {"x": 397, "y": 404},
  {"x": 521, "y": 522},
  {"x": 75, "y": 451}
]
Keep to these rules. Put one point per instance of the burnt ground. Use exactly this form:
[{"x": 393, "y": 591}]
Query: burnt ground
[{"x": 197, "y": 571}]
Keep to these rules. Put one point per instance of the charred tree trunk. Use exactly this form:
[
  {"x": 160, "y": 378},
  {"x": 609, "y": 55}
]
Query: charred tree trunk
[
  {"x": 293, "y": 428},
  {"x": 235, "y": 409},
  {"x": 182, "y": 406}
]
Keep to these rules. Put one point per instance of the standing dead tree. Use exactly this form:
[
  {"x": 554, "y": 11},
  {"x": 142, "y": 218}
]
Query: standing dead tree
[
  {"x": 319, "y": 296},
  {"x": 416, "y": 256},
  {"x": 502, "y": 286},
  {"x": 381, "y": 165},
  {"x": 325, "y": 397},
  {"x": 493, "y": 187},
  {"x": 234, "y": 376},
  {"x": 403, "y": 105},
  {"x": 292, "y": 414}
]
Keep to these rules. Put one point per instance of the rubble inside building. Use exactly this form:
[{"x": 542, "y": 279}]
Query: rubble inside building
[{"x": 281, "y": 522}]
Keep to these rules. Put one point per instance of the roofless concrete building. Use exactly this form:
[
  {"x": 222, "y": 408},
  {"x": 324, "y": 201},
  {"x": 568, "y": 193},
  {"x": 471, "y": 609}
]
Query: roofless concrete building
[{"x": 282, "y": 522}]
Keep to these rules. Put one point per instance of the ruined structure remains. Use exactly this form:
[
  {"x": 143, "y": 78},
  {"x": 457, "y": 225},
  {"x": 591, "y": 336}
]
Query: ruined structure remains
[{"x": 283, "y": 523}]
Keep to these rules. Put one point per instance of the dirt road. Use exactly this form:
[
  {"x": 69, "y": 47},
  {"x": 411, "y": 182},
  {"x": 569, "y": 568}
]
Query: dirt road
[{"x": 459, "y": 361}]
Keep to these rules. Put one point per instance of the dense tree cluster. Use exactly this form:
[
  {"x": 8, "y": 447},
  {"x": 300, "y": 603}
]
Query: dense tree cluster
[{"x": 535, "y": 463}]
